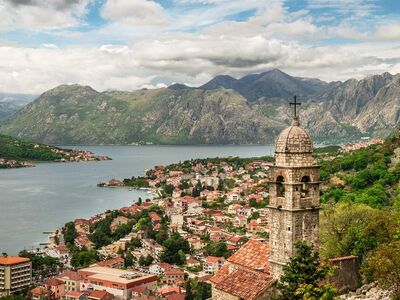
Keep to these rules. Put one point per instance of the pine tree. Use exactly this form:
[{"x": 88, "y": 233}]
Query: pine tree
[{"x": 303, "y": 276}]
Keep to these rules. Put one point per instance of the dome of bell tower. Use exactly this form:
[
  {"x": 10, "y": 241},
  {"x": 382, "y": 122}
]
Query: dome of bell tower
[
  {"x": 294, "y": 139},
  {"x": 294, "y": 146}
]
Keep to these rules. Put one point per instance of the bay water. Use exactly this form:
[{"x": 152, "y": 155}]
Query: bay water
[{"x": 43, "y": 198}]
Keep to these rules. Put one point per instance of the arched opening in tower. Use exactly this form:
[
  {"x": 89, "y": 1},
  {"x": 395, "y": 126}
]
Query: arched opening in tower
[
  {"x": 305, "y": 187},
  {"x": 280, "y": 186}
]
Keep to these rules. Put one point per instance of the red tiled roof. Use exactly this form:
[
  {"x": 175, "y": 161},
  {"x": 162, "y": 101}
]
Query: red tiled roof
[
  {"x": 235, "y": 239},
  {"x": 110, "y": 262},
  {"x": 71, "y": 275},
  {"x": 154, "y": 217},
  {"x": 230, "y": 247},
  {"x": 53, "y": 281},
  {"x": 38, "y": 291},
  {"x": 74, "y": 294},
  {"x": 99, "y": 294},
  {"x": 165, "y": 266},
  {"x": 244, "y": 283},
  {"x": 176, "y": 297},
  {"x": 253, "y": 255},
  {"x": 192, "y": 261},
  {"x": 12, "y": 260},
  {"x": 169, "y": 290},
  {"x": 174, "y": 272},
  {"x": 222, "y": 274},
  {"x": 213, "y": 259}
]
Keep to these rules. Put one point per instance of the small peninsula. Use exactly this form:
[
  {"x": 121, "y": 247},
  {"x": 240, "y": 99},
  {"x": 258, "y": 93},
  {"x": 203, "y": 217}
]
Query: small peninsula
[{"x": 18, "y": 153}]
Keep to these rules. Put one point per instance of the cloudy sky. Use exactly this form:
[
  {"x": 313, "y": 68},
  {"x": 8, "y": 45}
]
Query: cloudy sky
[{"x": 131, "y": 44}]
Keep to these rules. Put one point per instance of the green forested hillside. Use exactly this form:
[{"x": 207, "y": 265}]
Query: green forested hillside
[
  {"x": 17, "y": 149},
  {"x": 80, "y": 115},
  {"x": 361, "y": 210}
]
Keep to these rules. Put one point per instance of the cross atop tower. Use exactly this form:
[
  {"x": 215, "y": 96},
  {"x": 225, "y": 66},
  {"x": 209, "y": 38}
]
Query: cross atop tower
[{"x": 295, "y": 112}]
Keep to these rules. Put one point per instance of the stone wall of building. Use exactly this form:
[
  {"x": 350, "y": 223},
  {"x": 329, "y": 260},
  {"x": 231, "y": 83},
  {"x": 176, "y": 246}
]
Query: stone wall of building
[
  {"x": 347, "y": 276},
  {"x": 294, "y": 209},
  {"x": 221, "y": 295},
  {"x": 294, "y": 159}
]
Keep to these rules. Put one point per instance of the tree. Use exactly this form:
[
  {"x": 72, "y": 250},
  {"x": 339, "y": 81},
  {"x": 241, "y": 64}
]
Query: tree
[
  {"x": 197, "y": 290},
  {"x": 354, "y": 229},
  {"x": 69, "y": 233},
  {"x": 217, "y": 249},
  {"x": 128, "y": 259},
  {"x": 174, "y": 249},
  {"x": 303, "y": 276},
  {"x": 146, "y": 261},
  {"x": 84, "y": 258},
  {"x": 42, "y": 266},
  {"x": 168, "y": 189},
  {"x": 135, "y": 242},
  {"x": 384, "y": 266}
]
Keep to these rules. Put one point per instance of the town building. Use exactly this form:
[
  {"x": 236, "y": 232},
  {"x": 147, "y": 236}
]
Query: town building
[
  {"x": 212, "y": 264},
  {"x": 174, "y": 276},
  {"x": 56, "y": 287},
  {"x": 72, "y": 281},
  {"x": 159, "y": 269},
  {"x": 15, "y": 274},
  {"x": 40, "y": 293},
  {"x": 245, "y": 274},
  {"x": 117, "y": 282}
]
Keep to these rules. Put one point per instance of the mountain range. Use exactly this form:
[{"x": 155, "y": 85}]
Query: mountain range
[
  {"x": 225, "y": 110},
  {"x": 10, "y": 103}
]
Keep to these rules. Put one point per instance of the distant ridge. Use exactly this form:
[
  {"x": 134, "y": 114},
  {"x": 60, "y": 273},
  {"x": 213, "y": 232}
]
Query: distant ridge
[{"x": 270, "y": 84}]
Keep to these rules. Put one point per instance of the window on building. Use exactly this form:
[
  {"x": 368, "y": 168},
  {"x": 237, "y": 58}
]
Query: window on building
[
  {"x": 280, "y": 186},
  {"x": 305, "y": 187}
]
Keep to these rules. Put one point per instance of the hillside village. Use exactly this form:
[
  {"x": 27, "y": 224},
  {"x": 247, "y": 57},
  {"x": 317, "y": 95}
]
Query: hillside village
[
  {"x": 179, "y": 242},
  {"x": 211, "y": 207}
]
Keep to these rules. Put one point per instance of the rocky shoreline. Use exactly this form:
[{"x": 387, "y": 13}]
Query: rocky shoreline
[{"x": 13, "y": 164}]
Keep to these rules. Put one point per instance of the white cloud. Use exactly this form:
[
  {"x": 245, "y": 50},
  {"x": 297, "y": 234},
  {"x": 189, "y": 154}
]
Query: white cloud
[
  {"x": 188, "y": 58},
  {"x": 388, "y": 32},
  {"x": 136, "y": 12},
  {"x": 189, "y": 45},
  {"x": 36, "y": 15}
]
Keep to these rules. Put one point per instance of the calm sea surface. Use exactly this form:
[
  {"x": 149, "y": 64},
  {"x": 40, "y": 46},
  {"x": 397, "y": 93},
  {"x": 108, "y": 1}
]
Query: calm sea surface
[{"x": 34, "y": 200}]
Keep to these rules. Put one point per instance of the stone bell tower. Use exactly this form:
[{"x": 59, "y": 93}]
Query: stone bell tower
[{"x": 294, "y": 194}]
